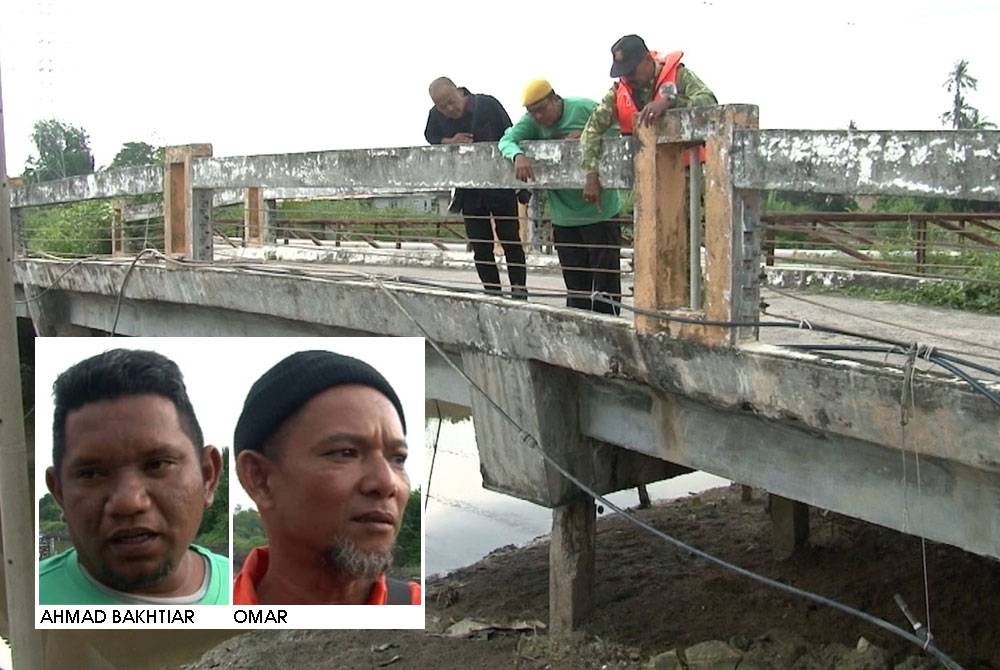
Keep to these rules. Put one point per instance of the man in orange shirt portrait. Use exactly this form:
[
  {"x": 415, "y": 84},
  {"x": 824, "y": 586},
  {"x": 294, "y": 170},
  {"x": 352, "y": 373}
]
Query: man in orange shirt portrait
[{"x": 320, "y": 448}]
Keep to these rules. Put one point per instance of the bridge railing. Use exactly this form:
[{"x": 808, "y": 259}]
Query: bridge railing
[{"x": 742, "y": 161}]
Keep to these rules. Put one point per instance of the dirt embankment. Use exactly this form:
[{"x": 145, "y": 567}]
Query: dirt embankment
[{"x": 651, "y": 599}]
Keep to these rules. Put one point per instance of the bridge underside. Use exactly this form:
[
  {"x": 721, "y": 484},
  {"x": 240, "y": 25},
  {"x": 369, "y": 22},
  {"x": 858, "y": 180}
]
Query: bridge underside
[{"x": 614, "y": 407}]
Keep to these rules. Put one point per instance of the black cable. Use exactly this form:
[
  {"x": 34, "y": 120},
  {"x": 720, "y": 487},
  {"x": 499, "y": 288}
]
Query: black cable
[
  {"x": 530, "y": 441},
  {"x": 430, "y": 474},
  {"x": 121, "y": 289},
  {"x": 971, "y": 381},
  {"x": 932, "y": 357},
  {"x": 54, "y": 283}
]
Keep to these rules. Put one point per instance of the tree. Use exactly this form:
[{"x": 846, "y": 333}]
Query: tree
[
  {"x": 63, "y": 151},
  {"x": 407, "y": 552},
  {"x": 214, "y": 530},
  {"x": 962, "y": 115},
  {"x": 137, "y": 153}
]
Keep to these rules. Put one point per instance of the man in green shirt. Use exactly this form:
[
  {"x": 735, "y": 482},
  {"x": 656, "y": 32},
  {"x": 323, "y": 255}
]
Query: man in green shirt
[
  {"x": 586, "y": 235},
  {"x": 133, "y": 477},
  {"x": 649, "y": 83}
]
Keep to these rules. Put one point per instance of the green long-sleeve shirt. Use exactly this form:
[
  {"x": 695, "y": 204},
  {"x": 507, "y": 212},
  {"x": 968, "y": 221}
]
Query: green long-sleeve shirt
[
  {"x": 566, "y": 206},
  {"x": 691, "y": 92}
]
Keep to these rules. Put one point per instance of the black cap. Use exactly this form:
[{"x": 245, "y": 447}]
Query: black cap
[
  {"x": 627, "y": 52},
  {"x": 292, "y": 382}
]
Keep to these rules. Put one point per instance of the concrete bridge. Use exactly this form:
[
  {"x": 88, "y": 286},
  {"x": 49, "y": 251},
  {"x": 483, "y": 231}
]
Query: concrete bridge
[{"x": 614, "y": 401}]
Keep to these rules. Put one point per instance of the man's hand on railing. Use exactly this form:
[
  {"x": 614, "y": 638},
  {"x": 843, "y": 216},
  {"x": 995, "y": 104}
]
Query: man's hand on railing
[
  {"x": 458, "y": 138},
  {"x": 592, "y": 187},
  {"x": 524, "y": 169}
]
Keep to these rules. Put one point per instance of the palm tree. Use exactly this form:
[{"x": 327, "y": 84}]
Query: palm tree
[{"x": 959, "y": 80}]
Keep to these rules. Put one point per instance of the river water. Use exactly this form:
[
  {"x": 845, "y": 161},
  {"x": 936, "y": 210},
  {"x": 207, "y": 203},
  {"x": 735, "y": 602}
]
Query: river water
[{"x": 464, "y": 522}]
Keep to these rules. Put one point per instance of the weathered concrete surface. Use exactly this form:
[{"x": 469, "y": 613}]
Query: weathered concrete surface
[
  {"x": 954, "y": 164},
  {"x": 825, "y": 432},
  {"x": 543, "y": 402},
  {"x": 412, "y": 169},
  {"x": 952, "y": 502},
  {"x": 103, "y": 184},
  {"x": 848, "y": 398}
]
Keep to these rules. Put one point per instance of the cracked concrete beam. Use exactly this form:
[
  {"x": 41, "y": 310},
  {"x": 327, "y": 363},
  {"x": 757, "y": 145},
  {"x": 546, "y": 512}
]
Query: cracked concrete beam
[
  {"x": 413, "y": 169},
  {"x": 104, "y": 184},
  {"x": 948, "y": 163}
]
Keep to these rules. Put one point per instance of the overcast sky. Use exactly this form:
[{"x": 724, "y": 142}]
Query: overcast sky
[
  {"x": 253, "y": 77},
  {"x": 218, "y": 372}
]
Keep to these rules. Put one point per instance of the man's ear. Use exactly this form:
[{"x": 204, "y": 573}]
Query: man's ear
[
  {"x": 211, "y": 471},
  {"x": 254, "y": 472},
  {"x": 53, "y": 484}
]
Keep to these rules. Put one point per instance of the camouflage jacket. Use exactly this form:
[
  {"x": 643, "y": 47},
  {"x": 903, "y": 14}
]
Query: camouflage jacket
[{"x": 691, "y": 92}]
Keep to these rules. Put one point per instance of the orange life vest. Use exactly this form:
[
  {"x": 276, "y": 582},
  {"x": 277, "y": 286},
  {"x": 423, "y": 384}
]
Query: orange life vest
[{"x": 625, "y": 107}]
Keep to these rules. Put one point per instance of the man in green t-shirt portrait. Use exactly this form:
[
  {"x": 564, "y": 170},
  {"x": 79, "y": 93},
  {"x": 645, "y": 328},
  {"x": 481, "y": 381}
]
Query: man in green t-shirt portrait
[{"x": 133, "y": 477}]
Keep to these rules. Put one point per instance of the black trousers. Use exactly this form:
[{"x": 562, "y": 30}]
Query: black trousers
[
  {"x": 590, "y": 257},
  {"x": 480, "y": 234}
]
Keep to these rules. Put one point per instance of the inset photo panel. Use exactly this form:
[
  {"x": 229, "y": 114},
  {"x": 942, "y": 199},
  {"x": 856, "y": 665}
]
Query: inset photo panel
[{"x": 277, "y": 477}]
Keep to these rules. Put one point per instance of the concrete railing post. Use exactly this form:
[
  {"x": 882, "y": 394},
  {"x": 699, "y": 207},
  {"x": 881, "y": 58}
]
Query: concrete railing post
[
  {"x": 731, "y": 287},
  {"x": 118, "y": 227},
  {"x": 660, "y": 232},
  {"x": 269, "y": 221},
  {"x": 732, "y": 284},
  {"x": 254, "y": 217},
  {"x": 19, "y": 236},
  {"x": 187, "y": 212}
]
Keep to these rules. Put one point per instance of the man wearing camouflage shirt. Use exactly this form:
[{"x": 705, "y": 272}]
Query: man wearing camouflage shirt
[{"x": 648, "y": 81}]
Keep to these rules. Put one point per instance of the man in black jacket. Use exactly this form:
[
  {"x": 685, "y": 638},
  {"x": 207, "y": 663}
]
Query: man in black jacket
[{"x": 460, "y": 117}]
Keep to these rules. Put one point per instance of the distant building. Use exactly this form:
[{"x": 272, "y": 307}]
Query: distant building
[{"x": 435, "y": 202}]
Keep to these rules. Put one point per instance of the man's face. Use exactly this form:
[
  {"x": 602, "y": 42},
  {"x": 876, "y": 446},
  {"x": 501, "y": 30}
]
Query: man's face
[
  {"x": 133, "y": 491},
  {"x": 449, "y": 101},
  {"x": 336, "y": 474},
  {"x": 545, "y": 112},
  {"x": 642, "y": 74}
]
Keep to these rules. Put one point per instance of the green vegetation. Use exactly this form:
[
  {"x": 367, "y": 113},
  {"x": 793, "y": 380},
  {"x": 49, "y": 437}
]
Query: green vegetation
[
  {"x": 76, "y": 229},
  {"x": 214, "y": 530},
  {"x": 248, "y": 532},
  {"x": 407, "y": 556},
  {"x": 63, "y": 150}
]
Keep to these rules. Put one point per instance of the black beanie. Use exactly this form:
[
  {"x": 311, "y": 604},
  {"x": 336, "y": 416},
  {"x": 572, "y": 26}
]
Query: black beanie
[{"x": 291, "y": 383}]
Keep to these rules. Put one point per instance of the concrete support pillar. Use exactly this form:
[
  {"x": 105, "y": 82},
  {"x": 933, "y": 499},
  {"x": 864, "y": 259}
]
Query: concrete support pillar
[
  {"x": 187, "y": 212},
  {"x": 571, "y": 565},
  {"x": 789, "y": 525}
]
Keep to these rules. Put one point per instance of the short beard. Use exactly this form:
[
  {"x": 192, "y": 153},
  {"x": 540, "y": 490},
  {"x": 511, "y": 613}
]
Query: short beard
[
  {"x": 344, "y": 558},
  {"x": 119, "y": 582}
]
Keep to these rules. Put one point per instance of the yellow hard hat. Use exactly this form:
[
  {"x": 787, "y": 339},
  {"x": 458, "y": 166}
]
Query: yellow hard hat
[{"x": 536, "y": 90}]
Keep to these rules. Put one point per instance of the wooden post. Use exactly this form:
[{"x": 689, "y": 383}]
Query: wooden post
[
  {"x": 571, "y": 565},
  {"x": 789, "y": 525},
  {"x": 186, "y": 213},
  {"x": 732, "y": 285},
  {"x": 254, "y": 217},
  {"x": 17, "y": 565},
  {"x": 660, "y": 246}
]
